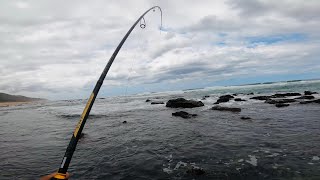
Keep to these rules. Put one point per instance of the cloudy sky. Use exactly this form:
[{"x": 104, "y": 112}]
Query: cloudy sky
[{"x": 57, "y": 49}]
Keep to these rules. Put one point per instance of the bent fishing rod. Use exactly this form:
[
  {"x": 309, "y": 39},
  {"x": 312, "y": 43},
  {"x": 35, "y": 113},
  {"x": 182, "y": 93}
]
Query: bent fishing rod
[{"x": 62, "y": 172}]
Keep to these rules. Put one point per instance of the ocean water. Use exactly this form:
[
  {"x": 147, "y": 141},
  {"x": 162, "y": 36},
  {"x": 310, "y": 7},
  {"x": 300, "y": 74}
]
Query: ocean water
[{"x": 277, "y": 143}]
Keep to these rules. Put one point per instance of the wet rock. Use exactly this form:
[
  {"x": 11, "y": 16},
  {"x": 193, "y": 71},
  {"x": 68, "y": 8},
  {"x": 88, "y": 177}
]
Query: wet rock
[
  {"x": 250, "y": 93},
  {"x": 305, "y": 97},
  {"x": 281, "y": 105},
  {"x": 317, "y": 101},
  {"x": 262, "y": 98},
  {"x": 239, "y": 99},
  {"x": 224, "y": 98},
  {"x": 157, "y": 102},
  {"x": 279, "y": 101},
  {"x": 183, "y": 103},
  {"x": 285, "y": 94},
  {"x": 124, "y": 122},
  {"x": 314, "y": 101},
  {"x": 220, "y": 108},
  {"x": 309, "y": 93},
  {"x": 245, "y": 118},
  {"x": 235, "y": 94},
  {"x": 184, "y": 114},
  {"x": 205, "y": 97},
  {"x": 196, "y": 171},
  {"x": 148, "y": 100}
]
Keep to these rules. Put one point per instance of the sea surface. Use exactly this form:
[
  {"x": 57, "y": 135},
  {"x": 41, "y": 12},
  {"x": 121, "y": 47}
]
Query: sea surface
[{"x": 277, "y": 143}]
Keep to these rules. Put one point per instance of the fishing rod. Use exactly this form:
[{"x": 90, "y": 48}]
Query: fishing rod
[{"x": 62, "y": 172}]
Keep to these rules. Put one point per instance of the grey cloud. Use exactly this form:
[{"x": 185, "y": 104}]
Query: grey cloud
[{"x": 303, "y": 11}]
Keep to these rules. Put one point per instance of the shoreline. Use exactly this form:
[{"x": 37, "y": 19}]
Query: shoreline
[{"x": 9, "y": 104}]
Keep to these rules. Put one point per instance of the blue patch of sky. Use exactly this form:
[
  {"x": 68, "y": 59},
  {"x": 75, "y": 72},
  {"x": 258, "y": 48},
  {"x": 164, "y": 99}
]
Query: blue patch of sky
[
  {"x": 222, "y": 34},
  {"x": 168, "y": 29},
  {"x": 293, "y": 37}
]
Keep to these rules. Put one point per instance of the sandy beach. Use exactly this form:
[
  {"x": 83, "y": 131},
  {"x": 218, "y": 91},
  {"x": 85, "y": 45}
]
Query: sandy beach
[{"x": 7, "y": 104}]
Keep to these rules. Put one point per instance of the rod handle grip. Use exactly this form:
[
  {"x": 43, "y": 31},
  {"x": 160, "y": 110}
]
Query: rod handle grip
[{"x": 59, "y": 176}]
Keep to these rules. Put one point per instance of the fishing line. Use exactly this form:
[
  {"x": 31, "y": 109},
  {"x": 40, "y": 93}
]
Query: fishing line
[{"x": 131, "y": 63}]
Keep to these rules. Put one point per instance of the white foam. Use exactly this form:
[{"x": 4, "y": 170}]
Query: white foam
[
  {"x": 273, "y": 155},
  {"x": 315, "y": 158},
  {"x": 180, "y": 163},
  {"x": 167, "y": 170},
  {"x": 275, "y": 166},
  {"x": 240, "y": 160},
  {"x": 253, "y": 160}
]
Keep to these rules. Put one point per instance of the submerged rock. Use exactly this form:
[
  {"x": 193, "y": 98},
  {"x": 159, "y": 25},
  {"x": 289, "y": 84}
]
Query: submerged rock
[
  {"x": 309, "y": 93},
  {"x": 314, "y": 101},
  {"x": 281, "y": 105},
  {"x": 183, "y": 103},
  {"x": 124, "y": 122},
  {"x": 262, "y": 98},
  {"x": 148, "y": 100},
  {"x": 224, "y": 98},
  {"x": 220, "y": 108},
  {"x": 157, "y": 102},
  {"x": 279, "y": 101},
  {"x": 205, "y": 97},
  {"x": 305, "y": 97},
  {"x": 183, "y": 114},
  {"x": 250, "y": 93},
  {"x": 239, "y": 99},
  {"x": 245, "y": 118},
  {"x": 286, "y": 94},
  {"x": 196, "y": 171}
]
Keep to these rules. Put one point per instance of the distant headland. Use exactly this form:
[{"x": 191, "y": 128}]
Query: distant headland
[{"x": 13, "y": 100}]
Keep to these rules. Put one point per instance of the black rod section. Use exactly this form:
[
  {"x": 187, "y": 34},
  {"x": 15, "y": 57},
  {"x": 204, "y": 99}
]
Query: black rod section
[{"x": 84, "y": 116}]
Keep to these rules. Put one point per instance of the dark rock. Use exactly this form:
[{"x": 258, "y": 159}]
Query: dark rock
[
  {"x": 245, "y": 118},
  {"x": 183, "y": 103},
  {"x": 314, "y": 101},
  {"x": 235, "y": 94},
  {"x": 220, "y": 108},
  {"x": 250, "y": 93},
  {"x": 124, "y": 122},
  {"x": 239, "y": 99},
  {"x": 148, "y": 100},
  {"x": 309, "y": 93},
  {"x": 285, "y": 94},
  {"x": 183, "y": 114},
  {"x": 305, "y": 97},
  {"x": 205, "y": 97},
  {"x": 276, "y": 101},
  {"x": 261, "y": 97},
  {"x": 281, "y": 105},
  {"x": 224, "y": 98},
  {"x": 157, "y": 102},
  {"x": 196, "y": 171}
]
